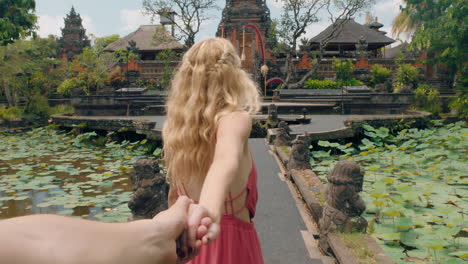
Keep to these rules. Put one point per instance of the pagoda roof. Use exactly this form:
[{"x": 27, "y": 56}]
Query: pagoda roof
[
  {"x": 145, "y": 40},
  {"x": 352, "y": 32}
]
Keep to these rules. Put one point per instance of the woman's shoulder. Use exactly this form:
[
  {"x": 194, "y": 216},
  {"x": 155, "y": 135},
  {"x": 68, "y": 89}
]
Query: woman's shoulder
[{"x": 238, "y": 122}]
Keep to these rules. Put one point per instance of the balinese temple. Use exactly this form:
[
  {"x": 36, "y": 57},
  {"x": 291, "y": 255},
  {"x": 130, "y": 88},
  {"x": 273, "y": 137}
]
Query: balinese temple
[
  {"x": 74, "y": 38},
  {"x": 238, "y": 23},
  {"x": 148, "y": 41},
  {"x": 349, "y": 37}
]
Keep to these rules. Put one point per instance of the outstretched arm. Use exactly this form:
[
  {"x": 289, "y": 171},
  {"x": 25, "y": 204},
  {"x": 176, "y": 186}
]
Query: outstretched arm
[
  {"x": 52, "y": 239},
  {"x": 232, "y": 134}
]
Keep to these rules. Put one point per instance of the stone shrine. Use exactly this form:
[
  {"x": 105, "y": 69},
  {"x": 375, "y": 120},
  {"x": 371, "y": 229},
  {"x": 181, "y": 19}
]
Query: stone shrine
[{"x": 74, "y": 38}]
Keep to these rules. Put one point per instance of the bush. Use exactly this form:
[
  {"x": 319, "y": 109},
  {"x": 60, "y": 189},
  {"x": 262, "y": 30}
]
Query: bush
[
  {"x": 37, "y": 109},
  {"x": 11, "y": 113},
  {"x": 350, "y": 82},
  {"x": 66, "y": 86},
  {"x": 460, "y": 106},
  {"x": 321, "y": 84},
  {"x": 62, "y": 109},
  {"x": 427, "y": 99},
  {"x": 329, "y": 84},
  {"x": 343, "y": 69},
  {"x": 406, "y": 74},
  {"x": 379, "y": 74}
]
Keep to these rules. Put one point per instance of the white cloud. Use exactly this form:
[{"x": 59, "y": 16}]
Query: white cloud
[
  {"x": 131, "y": 19},
  {"x": 52, "y": 25},
  {"x": 49, "y": 25},
  {"x": 315, "y": 28},
  {"x": 275, "y": 4},
  {"x": 89, "y": 25}
]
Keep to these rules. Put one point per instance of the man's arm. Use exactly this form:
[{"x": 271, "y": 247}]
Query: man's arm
[{"x": 52, "y": 239}]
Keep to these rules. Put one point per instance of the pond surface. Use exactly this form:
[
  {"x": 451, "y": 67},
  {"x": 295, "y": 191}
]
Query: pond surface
[
  {"x": 415, "y": 189},
  {"x": 46, "y": 171}
]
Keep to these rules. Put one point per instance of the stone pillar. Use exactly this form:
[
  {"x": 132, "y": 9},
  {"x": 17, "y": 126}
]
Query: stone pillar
[
  {"x": 150, "y": 189},
  {"x": 300, "y": 154}
]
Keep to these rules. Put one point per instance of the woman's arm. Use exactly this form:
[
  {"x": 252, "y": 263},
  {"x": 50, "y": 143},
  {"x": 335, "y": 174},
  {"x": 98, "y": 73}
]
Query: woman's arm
[{"x": 232, "y": 135}]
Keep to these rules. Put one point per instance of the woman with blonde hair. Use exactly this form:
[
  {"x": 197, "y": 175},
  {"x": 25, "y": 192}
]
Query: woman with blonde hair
[{"x": 207, "y": 153}]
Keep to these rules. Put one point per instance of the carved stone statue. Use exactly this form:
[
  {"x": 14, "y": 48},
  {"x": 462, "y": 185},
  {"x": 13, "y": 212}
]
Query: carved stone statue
[
  {"x": 272, "y": 112},
  {"x": 150, "y": 189},
  {"x": 300, "y": 154},
  {"x": 343, "y": 205},
  {"x": 283, "y": 138},
  {"x": 361, "y": 47}
]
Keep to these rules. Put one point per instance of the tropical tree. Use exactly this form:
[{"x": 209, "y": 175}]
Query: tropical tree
[
  {"x": 188, "y": 18},
  {"x": 298, "y": 15},
  {"x": 103, "y": 42},
  {"x": 441, "y": 30},
  {"x": 17, "y": 20},
  {"x": 404, "y": 22},
  {"x": 89, "y": 72},
  {"x": 29, "y": 67}
]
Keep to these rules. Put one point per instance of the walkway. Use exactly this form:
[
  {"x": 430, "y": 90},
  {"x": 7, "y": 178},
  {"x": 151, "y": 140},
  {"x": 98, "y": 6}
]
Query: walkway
[
  {"x": 322, "y": 123},
  {"x": 277, "y": 220}
]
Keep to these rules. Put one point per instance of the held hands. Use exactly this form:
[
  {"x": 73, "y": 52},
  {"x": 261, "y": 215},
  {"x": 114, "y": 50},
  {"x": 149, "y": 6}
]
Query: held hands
[{"x": 200, "y": 230}]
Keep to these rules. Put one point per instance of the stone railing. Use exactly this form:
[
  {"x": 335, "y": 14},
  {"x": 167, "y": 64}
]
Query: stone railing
[{"x": 335, "y": 207}]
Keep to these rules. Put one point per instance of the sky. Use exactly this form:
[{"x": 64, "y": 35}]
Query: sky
[{"x": 106, "y": 17}]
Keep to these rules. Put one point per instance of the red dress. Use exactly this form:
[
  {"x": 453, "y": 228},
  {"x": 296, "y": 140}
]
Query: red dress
[{"x": 238, "y": 241}]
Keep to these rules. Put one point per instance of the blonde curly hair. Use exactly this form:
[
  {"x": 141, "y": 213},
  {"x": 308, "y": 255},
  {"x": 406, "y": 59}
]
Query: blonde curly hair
[{"x": 208, "y": 84}]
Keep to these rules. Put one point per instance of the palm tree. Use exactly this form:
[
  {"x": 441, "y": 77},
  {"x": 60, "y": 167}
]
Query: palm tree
[{"x": 405, "y": 22}]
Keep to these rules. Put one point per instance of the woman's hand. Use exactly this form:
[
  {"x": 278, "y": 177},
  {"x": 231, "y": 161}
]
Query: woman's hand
[
  {"x": 202, "y": 227},
  {"x": 203, "y": 230}
]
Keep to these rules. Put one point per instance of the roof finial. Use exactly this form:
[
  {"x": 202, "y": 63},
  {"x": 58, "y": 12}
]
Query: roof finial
[{"x": 368, "y": 18}]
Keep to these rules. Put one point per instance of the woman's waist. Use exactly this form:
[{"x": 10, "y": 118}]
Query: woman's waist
[{"x": 228, "y": 220}]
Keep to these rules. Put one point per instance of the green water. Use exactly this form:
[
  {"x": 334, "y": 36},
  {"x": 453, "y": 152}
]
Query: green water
[
  {"x": 46, "y": 171},
  {"x": 415, "y": 189}
]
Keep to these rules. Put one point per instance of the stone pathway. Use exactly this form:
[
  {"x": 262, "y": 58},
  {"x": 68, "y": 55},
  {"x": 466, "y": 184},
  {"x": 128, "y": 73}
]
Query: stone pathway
[
  {"x": 277, "y": 220},
  {"x": 320, "y": 123}
]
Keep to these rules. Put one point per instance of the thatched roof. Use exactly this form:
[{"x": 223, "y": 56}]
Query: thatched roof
[
  {"x": 351, "y": 32},
  {"x": 147, "y": 38}
]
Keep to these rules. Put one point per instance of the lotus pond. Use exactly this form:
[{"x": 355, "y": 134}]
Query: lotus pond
[
  {"x": 415, "y": 189},
  {"x": 48, "y": 171}
]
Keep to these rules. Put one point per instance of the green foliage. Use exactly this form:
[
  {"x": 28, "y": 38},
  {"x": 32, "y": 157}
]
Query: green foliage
[
  {"x": 28, "y": 67},
  {"x": 441, "y": 30},
  {"x": 166, "y": 56},
  {"x": 427, "y": 99},
  {"x": 379, "y": 74},
  {"x": 89, "y": 72},
  {"x": 62, "y": 109},
  {"x": 10, "y": 113},
  {"x": 103, "y": 42},
  {"x": 67, "y": 85},
  {"x": 406, "y": 74},
  {"x": 414, "y": 189},
  {"x": 37, "y": 109},
  {"x": 349, "y": 82},
  {"x": 321, "y": 84},
  {"x": 343, "y": 69},
  {"x": 330, "y": 84},
  {"x": 460, "y": 104},
  {"x": 17, "y": 20}
]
